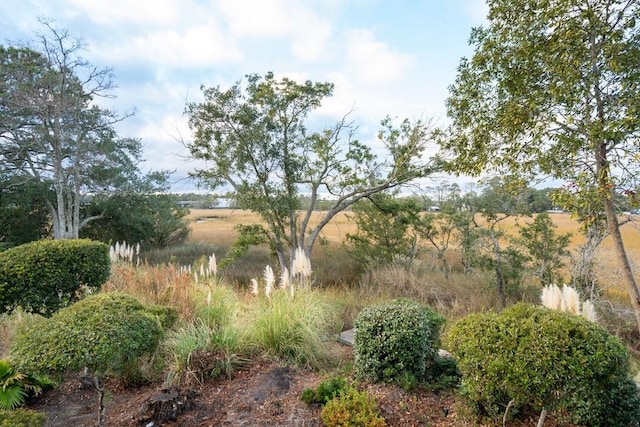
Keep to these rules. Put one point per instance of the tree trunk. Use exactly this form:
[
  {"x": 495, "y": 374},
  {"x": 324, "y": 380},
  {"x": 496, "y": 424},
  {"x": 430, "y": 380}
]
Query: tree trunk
[
  {"x": 627, "y": 272},
  {"x": 500, "y": 282},
  {"x": 102, "y": 415}
]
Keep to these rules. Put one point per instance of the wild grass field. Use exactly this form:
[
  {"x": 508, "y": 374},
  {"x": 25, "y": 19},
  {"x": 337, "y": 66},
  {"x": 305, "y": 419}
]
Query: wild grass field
[{"x": 215, "y": 227}]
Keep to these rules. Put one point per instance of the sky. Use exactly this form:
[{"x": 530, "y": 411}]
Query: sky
[{"x": 384, "y": 57}]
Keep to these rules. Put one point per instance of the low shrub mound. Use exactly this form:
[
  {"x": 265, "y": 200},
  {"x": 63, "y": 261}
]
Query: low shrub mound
[
  {"x": 396, "y": 341},
  {"x": 352, "y": 408},
  {"x": 44, "y": 276},
  {"x": 22, "y": 418},
  {"x": 535, "y": 359}
]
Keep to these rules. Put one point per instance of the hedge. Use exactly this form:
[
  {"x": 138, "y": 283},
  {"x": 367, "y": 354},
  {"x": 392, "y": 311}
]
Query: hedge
[{"x": 42, "y": 277}]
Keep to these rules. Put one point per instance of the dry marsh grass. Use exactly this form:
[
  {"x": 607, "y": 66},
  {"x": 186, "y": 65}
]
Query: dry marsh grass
[{"x": 215, "y": 226}]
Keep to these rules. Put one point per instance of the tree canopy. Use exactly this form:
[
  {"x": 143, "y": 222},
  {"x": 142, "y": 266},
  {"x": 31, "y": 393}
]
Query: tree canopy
[
  {"x": 254, "y": 138},
  {"x": 553, "y": 89},
  {"x": 53, "y": 132}
]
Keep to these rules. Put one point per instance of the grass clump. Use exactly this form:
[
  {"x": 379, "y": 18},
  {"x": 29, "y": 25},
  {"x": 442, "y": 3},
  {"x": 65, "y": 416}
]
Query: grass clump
[
  {"x": 208, "y": 345},
  {"x": 293, "y": 329}
]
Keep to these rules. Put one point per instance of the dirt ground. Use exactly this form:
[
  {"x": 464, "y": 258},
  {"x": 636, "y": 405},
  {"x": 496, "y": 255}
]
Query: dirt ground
[{"x": 262, "y": 394}]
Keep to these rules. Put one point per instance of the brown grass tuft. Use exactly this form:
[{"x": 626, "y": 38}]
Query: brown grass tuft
[{"x": 162, "y": 284}]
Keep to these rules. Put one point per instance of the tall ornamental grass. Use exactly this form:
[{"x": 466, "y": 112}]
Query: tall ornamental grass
[
  {"x": 293, "y": 329},
  {"x": 209, "y": 344}
]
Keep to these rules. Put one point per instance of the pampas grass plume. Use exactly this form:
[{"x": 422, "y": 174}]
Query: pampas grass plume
[
  {"x": 552, "y": 297},
  {"x": 269, "y": 280},
  {"x": 570, "y": 300},
  {"x": 284, "y": 278}
]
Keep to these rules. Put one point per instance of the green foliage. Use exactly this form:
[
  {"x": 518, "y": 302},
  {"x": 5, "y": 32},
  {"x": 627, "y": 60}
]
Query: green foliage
[
  {"x": 22, "y": 418},
  {"x": 542, "y": 358},
  {"x": 443, "y": 373},
  {"x": 292, "y": 329},
  {"x": 552, "y": 90},
  {"x": 325, "y": 391},
  {"x": 248, "y": 235},
  {"x": 254, "y": 138},
  {"x": 545, "y": 249},
  {"x": 386, "y": 230},
  {"x": 16, "y": 386},
  {"x": 152, "y": 220},
  {"x": 396, "y": 340},
  {"x": 24, "y": 216},
  {"x": 352, "y": 408},
  {"x": 167, "y": 316},
  {"x": 43, "y": 276},
  {"x": 106, "y": 333}
]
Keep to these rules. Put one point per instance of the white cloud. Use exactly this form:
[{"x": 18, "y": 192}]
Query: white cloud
[
  {"x": 372, "y": 61},
  {"x": 193, "y": 47},
  {"x": 307, "y": 31},
  {"x": 128, "y": 12}
]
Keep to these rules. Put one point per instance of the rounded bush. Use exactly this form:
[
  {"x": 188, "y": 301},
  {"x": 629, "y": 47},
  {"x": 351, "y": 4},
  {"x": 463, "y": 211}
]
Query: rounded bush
[
  {"x": 106, "y": 333},
  {"x": 44, "y": 276},
  {"x": 540, "y": 358},
  {"x": 396, "y": 341}
]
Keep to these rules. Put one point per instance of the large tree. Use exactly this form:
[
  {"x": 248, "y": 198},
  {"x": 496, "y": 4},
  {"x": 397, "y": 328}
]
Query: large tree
[
  {"x": 254, "y": 138},
  {"x": 53, "y": 132},
  {"x": 553, "y": 88}
]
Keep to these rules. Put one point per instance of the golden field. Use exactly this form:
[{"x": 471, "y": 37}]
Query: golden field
[{"x": 216, "y": 226}]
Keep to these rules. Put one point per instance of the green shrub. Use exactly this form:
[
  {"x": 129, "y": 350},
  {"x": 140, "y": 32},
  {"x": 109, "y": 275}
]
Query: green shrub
[
  {"x": 325, "y": 391},
  {"x": 541, "y": 358},
  {"x": 443, "y": 373},
  {"x": 167, "y": 316},
  {"x": 352, "y": 408},
  {"x": 106, "y": 333},
  {"x": 22, "y": 418},
  {"x": 44, "y": 276},
  {"x": 396, "y": 341}
]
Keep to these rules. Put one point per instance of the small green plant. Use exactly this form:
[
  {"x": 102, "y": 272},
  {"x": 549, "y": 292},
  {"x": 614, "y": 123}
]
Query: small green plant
[
  {"x": 22, "y": 418},
  {"x": 352, "y": 408},
  {"x": 535, "y": 358},
  {"x": 325, "y": 391},
  {"x": 396, "y": 341},
  {"x": 16, "y": 386}
]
